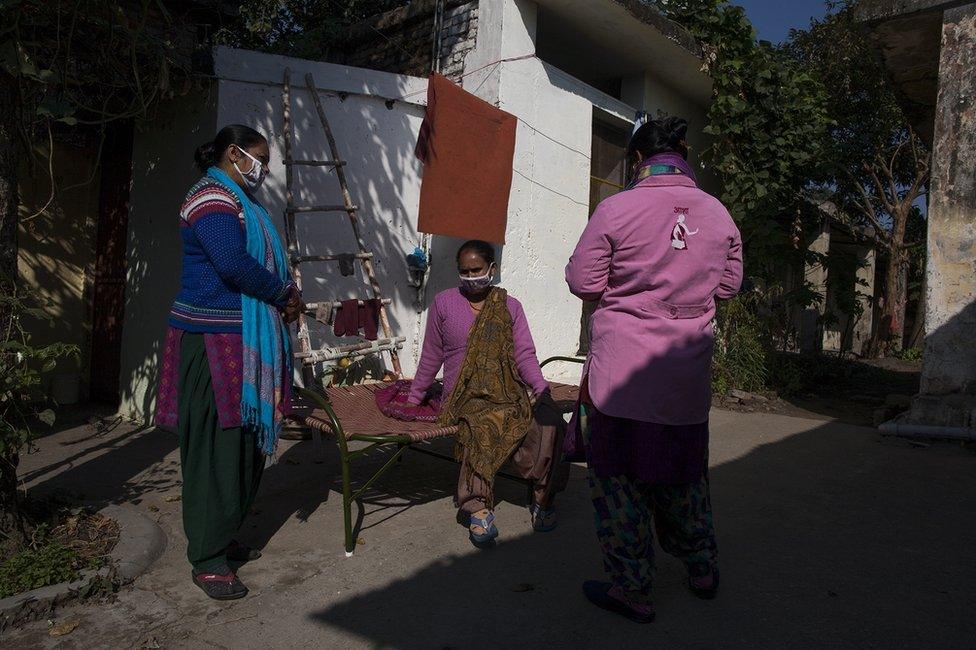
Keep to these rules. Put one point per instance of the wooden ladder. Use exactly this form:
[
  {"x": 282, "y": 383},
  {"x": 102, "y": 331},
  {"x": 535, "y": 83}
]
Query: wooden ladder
[{"x": 308, "y": 356}]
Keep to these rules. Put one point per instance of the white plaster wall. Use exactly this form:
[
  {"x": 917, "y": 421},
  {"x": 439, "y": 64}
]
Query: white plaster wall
[
  {"x": 382, "y": 172},
  {"x": 549, "y": 206},
  {"x": 162, "y": 171}
]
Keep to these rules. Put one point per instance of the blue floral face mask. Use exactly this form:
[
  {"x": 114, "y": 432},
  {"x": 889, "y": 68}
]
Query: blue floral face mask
[{"x": 477, "y": 284}]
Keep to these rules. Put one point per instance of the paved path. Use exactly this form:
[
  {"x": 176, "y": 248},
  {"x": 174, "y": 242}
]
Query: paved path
[{"x": 829, "y": 536}]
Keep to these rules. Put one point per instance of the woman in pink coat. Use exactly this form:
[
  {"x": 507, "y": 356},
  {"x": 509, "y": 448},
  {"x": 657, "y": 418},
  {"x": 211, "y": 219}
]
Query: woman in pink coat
[{"x": 654, "y": 258}]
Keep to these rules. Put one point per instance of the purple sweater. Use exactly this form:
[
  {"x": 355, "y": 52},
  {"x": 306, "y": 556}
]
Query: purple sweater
[{"x": 449, "y": 321}]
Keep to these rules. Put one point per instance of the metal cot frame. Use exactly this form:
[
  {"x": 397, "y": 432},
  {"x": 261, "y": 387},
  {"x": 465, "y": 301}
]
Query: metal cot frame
[{"x": 374, "y": 442}]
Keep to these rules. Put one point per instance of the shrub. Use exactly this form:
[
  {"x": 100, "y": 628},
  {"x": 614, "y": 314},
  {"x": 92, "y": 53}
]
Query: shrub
[
  {"x": 49, "y": 564},
  {"x": 742, "y": 352},
  {"x": 911, "y": 354}
]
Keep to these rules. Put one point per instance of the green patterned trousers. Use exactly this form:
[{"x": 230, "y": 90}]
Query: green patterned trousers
[{"x": 628, "y": 511}]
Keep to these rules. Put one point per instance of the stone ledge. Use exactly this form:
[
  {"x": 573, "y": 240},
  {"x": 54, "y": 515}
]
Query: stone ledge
[
  {"x": 944, "y": 411},
  {"x": 141, "y": 542}
]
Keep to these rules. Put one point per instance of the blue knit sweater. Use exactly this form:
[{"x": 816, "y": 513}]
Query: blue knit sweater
[{"x": 216, "y": 266}]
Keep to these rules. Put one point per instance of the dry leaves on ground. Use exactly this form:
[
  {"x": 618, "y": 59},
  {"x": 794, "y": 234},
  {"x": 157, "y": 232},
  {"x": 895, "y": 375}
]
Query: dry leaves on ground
[{"x": 63, "y": 629}]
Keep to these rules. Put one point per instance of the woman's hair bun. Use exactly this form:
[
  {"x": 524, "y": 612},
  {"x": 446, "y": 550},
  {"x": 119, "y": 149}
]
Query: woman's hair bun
[
  {"x": 238, "y": 135},
  {"x": 660, "y": 136},
  {"x": 205, "y": 156},
  {"x": 676, "y": 128}
]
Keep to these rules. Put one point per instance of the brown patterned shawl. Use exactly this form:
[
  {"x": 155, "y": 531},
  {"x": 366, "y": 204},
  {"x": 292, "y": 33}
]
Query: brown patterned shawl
[{"x": 489, "y": 403}]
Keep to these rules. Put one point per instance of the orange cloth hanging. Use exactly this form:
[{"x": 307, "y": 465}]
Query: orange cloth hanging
[{"x": 467, "y": 147}]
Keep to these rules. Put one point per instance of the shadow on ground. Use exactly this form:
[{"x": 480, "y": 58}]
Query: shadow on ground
[
  {"x": 109, "y": 468},
  {"x": 831, "y": 537},
  {"x": 303, "y": 480}
]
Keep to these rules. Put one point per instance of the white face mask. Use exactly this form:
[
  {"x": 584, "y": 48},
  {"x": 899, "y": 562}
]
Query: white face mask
[
  {"x": 477, "y": 284},
  {"x": 254, "y": 176}
]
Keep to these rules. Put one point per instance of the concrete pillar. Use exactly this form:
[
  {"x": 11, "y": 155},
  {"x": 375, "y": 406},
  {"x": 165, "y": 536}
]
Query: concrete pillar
[
  {"x": 948, "y": 387},
  {"x": 811, "y": 332}
]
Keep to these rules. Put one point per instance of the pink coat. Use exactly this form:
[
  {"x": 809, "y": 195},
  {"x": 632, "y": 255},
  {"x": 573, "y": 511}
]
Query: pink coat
[{"x": 655, "y": 257}]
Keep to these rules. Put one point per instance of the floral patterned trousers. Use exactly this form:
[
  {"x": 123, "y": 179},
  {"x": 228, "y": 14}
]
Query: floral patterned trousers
[{"x": 628, "y": 511}]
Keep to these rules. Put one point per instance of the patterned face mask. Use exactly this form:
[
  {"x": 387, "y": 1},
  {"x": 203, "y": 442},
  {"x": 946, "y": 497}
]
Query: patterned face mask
[
  {"x": 477, "y": 284},
  {"x": 254, "y": 176}
]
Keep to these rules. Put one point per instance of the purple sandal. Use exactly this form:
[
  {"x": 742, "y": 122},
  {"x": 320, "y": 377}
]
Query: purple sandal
[
  {"x": 612, "y": 598},
  {"x": 704, "y": 587},
  {"x": 487, "y": 538}
]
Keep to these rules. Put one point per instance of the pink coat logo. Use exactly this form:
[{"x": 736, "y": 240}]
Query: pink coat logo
[{"x": 681, "y": 232}]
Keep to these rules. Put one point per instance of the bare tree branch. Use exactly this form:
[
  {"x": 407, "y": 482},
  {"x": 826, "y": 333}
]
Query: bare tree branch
[
  {"x": 867, "y": 210},
  {"x": 879, "y": 186},
  {"x": 891, "y": 195}
]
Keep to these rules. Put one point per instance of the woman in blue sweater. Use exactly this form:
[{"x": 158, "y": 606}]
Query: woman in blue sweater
[{"x": 226, "y": 378}]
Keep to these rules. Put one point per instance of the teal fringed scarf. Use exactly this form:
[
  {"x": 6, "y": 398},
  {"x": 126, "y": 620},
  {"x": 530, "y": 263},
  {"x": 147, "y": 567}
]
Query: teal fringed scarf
[{"x": 267, "y": 346}]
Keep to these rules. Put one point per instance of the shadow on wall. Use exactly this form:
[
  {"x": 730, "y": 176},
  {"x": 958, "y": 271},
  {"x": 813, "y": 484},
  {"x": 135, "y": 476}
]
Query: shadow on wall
[
  {"x": 948, "y": 359},
  {"x": 162, "y": 172},
  {"x": 377, "y": 141},
  {"x": 56, "y": 256}
]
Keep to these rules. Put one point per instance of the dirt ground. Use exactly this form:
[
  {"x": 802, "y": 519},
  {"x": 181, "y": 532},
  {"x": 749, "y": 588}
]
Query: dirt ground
[
  {"x": 855, "y": 392},
  {"x": 829, "y": 536}
]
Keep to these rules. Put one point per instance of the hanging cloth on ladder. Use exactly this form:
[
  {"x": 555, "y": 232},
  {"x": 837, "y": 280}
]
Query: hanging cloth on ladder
[
  {"x": 353, "y": 317},
  {"x": 467, "y": 147},
  {"x": 347, "y": 264}
]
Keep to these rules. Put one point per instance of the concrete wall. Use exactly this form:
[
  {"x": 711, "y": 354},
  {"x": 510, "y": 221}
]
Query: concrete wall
[
  {"x": 851, "y": 271},
  {"x": 162, "y": 172},
  {"x": 650, "y": 93}
]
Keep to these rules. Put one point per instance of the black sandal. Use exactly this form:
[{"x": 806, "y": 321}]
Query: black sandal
[
  {"x": 220, "y": 586},
  {"x": 237, "y": 552}
]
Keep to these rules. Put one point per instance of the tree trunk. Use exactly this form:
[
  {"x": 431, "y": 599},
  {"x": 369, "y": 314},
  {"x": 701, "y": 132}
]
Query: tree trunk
[{"x": 890, "y": 335}]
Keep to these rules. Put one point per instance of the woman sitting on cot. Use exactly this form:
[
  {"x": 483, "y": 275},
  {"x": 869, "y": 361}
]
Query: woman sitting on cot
[{"x": 494, "y": 391}]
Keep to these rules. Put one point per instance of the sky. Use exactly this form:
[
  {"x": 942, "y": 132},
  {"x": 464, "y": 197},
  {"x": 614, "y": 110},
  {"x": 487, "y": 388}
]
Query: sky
[{"x": 773, "y": 19}]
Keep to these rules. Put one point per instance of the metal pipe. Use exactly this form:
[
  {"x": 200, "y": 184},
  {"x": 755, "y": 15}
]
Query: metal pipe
[{"x": 909, "y": 430}]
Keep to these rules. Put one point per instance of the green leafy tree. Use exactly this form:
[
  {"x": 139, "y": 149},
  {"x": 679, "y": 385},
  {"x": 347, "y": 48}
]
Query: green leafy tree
[
  {"x": 300, "y": 28},
  {"x": 22, "y": 408},
  {"x": 65, "y": 65},
  {"x": 767, "y": 120},
  {"x": 873, "y": 163}
]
